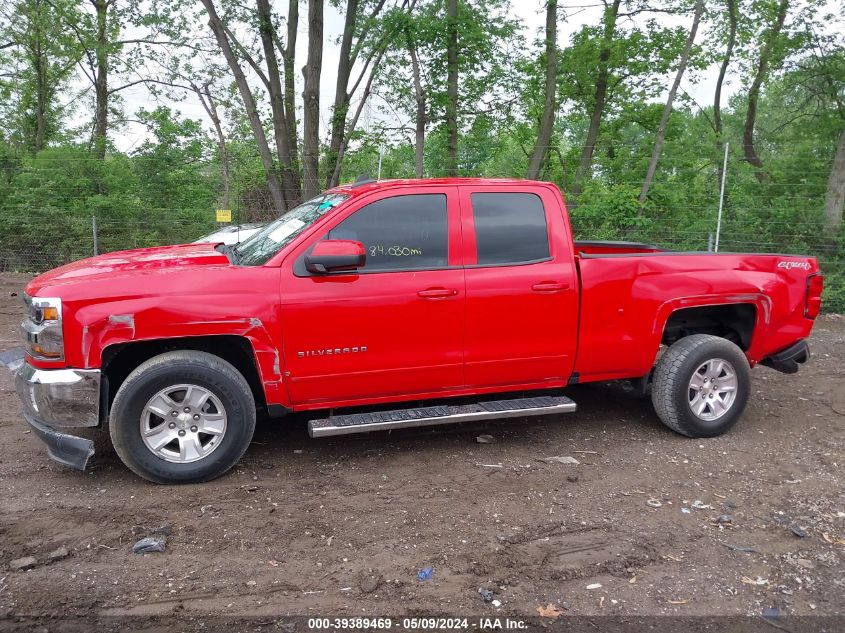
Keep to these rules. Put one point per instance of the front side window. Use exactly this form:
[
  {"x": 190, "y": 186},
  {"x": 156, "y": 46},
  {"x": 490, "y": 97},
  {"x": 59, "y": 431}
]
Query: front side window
[
  {"x": 510, "y": 228},
  {"x": 400, "y": 233},
  {"x": 258, "y": 249}
]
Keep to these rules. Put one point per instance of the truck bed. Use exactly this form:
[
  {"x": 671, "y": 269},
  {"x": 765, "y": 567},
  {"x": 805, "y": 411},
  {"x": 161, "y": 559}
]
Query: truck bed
[{"x": 628, "y": 292}]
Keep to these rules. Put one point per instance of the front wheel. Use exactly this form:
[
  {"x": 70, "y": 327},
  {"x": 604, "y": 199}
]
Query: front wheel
[
  {"x": 701, "y": 385},
  {"x": 182, "y": 417}
]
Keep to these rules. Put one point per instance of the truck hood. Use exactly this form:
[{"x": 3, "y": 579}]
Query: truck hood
[{"x": 141, "y": 261}]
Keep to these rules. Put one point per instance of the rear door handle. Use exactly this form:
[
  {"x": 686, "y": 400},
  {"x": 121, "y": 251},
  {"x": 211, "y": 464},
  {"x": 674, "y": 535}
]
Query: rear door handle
[
  {"x": 549, "y": 286},
  {"x": 437, "y": 293}
]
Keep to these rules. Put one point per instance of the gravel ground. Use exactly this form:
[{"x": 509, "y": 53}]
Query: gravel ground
[{"x": 648, "y": 523}]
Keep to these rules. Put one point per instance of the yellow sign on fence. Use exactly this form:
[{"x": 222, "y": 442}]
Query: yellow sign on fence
[{"x": 224, "y": 215}]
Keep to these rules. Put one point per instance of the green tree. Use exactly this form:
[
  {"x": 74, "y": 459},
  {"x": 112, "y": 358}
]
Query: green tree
[
  {"x": 613, "y": 68},
  {"x": 40, "y": 59},
  {"x": 171, "y": 167},
  {"x": 485, "y": 44}
]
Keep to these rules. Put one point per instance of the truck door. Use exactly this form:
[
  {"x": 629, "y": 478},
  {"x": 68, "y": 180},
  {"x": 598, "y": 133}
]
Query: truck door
[
  {"x": 521, "y": 287},
  {"x": 391, "y": 329}
]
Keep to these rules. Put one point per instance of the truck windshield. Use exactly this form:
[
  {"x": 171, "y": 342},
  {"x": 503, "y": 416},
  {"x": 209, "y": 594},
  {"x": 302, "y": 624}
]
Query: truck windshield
[{"x": 259, "y": 248}]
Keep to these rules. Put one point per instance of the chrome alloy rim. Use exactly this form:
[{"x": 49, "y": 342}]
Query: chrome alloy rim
[
  {"x": 183, "y": 423},
  {"x": 712, "y": 389}
]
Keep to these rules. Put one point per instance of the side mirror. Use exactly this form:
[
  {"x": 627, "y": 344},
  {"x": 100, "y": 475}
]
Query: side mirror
[{"x": 330, "y": 256}]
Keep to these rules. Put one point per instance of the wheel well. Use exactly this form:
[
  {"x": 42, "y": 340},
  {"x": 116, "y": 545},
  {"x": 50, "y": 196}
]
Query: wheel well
[
  {"x": 119, "y": 360},
  {"x": 734, "y": 322}
]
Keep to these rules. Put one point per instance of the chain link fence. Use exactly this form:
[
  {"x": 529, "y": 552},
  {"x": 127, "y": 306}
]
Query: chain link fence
[{"x": 63, "y": 209}]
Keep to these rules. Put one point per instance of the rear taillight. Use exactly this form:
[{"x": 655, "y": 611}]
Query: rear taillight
[{"x": 813, "y": 300}]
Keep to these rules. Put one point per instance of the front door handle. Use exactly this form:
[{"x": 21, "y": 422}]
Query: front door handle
[
  {"x": 549, "y": 286},
  {"x": 437, "y": 293}
]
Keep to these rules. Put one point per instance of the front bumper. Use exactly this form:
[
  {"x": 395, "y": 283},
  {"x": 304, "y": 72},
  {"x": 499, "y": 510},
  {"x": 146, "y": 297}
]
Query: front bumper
[
  {"x": 55, "y": 400},
  {"x": 60, "y": 398}
]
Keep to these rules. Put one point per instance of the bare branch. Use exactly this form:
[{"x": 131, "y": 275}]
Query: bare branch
[{"x": 166, "y": 43}]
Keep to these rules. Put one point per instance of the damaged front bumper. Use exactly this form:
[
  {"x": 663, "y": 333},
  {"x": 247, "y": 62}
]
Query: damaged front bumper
[
  {"x": 56, "y": 400},
  {"x": 68, "y": 450}
]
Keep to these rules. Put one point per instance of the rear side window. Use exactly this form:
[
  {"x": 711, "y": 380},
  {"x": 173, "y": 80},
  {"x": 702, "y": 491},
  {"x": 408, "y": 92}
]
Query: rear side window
[
  {"x": 510, "y": 228},
  {"x": 400, "y": 233}
]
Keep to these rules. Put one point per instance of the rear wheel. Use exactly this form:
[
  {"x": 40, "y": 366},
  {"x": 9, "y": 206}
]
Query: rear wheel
[
  {"x": 182, "y": 417},
  {"x": 701, "y": 385}
]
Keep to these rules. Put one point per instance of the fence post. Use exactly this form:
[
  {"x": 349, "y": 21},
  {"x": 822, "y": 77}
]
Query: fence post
[
  {"x": 721, "y": 199},
  {"x": 709, "y": 242},
  {"x": 94, "y": 232}
]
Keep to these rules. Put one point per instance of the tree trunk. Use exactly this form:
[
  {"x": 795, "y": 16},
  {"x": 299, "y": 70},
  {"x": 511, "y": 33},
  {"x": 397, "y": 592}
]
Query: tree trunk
[
  {"x": 599, "y": 99},
  {"x": 452, "y": 87},
  {"x": 30, "y": 19},
  {"x": 253, "y": 115},
  {"x": 335, "y": 175},
  {"x": 420, "y": 119},
  {"x": 40, "y": 64},
  {"x": 311, "y": 98},
  {"x": 547, "y": 120},
  {"x": 667, "y": 109},
  {"x": 726, "y": 60},
  {"x": 210, "y": 108},
  {"x": 290, "y": 179},
  {"x": 717, "y": 97},
  {"x": 754, "y": 92},
  {"x": 341, "y": 94},
  {"x": 101, "y": 86},
  {"x": 349, "y": 52},
  {"x": 835, "y": 198},
  {"x": 289, "y": 62}
]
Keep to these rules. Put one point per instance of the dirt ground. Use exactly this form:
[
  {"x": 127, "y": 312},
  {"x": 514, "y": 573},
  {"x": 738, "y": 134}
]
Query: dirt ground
[{"x": 341, "y": 527}]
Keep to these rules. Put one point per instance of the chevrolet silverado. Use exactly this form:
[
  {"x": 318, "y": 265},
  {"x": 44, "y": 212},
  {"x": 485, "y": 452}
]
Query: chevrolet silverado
[{"x": 382, "y": 305}]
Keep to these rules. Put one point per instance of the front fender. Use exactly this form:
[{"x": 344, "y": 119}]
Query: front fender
[{"x": 138, "y": 320}]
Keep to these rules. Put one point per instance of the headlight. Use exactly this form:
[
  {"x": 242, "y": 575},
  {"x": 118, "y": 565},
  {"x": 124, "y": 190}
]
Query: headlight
[{"x": 42, "y": 328}]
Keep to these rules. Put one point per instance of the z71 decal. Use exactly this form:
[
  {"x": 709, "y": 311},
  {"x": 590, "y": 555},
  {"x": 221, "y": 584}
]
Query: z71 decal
[{"x": 791, "y": 265}]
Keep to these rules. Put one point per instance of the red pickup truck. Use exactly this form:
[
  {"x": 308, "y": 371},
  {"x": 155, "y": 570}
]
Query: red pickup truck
[{"x": 384, "y": 293}]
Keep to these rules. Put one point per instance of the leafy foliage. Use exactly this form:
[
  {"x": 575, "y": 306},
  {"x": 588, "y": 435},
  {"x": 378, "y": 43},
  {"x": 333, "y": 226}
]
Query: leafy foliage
[{"x": 166, "y": 188}]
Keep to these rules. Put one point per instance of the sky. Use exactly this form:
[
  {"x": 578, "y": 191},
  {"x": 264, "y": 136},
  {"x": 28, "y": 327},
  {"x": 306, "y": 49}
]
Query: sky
[{"x": 573, "y": 15}]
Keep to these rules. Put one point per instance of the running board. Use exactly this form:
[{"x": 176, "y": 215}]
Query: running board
[{"x": 443, "y": 414}]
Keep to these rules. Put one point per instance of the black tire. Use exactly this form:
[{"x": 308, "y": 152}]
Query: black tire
[
  {"x": 673, "y": 395},
  {"x": 205, "y": 370}
]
